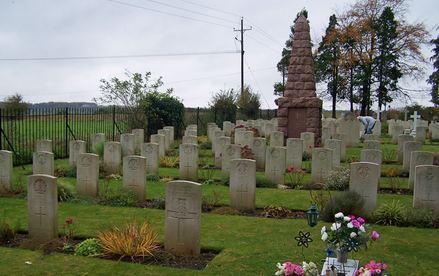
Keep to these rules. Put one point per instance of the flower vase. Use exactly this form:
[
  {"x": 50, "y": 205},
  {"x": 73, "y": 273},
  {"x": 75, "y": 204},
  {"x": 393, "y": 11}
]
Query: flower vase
[{"x": 342, "y": 256}]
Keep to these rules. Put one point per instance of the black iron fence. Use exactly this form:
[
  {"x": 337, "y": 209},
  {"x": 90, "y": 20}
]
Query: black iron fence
[{"x": 20, "y": 129}]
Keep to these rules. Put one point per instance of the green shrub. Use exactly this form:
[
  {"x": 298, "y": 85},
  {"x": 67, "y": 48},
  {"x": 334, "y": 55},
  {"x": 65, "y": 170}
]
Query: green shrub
[
  {"x": 152, "y": 177},
  {"x": 66, "y": 192},
  {"x": 338, "y": 179},
  {"x": 306, "y": 156},
  {"x": 7, "y": 233},
  {"x": 88, "y": 248},
  {"x": 223, "y": 104},
  {"x": 119, "y": 197},
  {"x": 71, "y": 172},
  {"x": 390, "y": 213},
  {"x": 262, "y": 182},
  {"x": 99, "y": 149},
  {"x": 206, "y": 145},
  {"x": 346, "y": 202},
  {"x": 422, "y": 218},
  {"x": 389, "y": 155}
]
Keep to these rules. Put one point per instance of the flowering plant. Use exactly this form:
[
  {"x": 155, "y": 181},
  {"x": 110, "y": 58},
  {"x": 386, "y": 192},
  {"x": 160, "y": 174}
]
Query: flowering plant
[
  {"x": 347, "y": 233},
  {"x": 290, "y": 269},
  {"x": 295, "y": 177},
  {"x": 372, "y": 269}
]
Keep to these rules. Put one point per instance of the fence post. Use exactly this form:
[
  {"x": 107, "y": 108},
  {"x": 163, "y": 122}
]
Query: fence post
[
  {"x": 198, "y": 115},
  {"x": 114, "y": 122},
  {"x": 66, "y": 117}
]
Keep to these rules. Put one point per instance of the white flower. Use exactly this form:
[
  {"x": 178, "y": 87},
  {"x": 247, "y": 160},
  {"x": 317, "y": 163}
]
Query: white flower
[
  {"x": 339, "y": 215},
  {"x": 347, "y": 219},
  {"x": 350, "y": 225},
  {"x": 281, "y": 269},
  {"x": 353, "y": 234},
  {"x": 335, "y": 226},
  {"x": 323, "y": 230},
  {"x": 324, "y": 236},
  {"x": 362, "y": 228}
]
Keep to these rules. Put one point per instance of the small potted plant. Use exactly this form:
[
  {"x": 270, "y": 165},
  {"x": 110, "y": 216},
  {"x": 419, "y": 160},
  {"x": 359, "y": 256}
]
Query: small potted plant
[{"x": 346, "y": 234}]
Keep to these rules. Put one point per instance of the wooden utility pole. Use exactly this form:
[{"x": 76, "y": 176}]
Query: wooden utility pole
[{"x": 242, "y": 30}]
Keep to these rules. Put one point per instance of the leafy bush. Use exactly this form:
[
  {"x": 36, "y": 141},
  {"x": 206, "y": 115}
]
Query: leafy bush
[
  {"x": 169, "y": 161},
  {"x": 223, "y": 104},
  {"x": 346, "y": 202},
  {"x": 71, "y": 172},
  {"x": 66, "y": 192},
  {"x": 206, "y": 145},
  {"x": 88, "y": 248},
  {"x": 207, "y": 174},
  {"x": 129, "y": 241},
  {"x": 295, "y": 177},
  {"x": 389, "y": 155},
  {"x": 119, "y": 197},
  {"x": 249, "y": 103},
  {"x": 306, "y": 156},
  {"x": 7, "y": 233},
  {"x": 390, "y": 213},
  {"x": 418, "y": 217},
  {"x": 338, "y": 179}
]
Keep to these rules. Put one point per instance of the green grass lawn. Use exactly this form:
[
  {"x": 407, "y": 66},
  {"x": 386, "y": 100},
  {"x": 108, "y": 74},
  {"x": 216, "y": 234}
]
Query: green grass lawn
[{"x": 249, "y": 245}]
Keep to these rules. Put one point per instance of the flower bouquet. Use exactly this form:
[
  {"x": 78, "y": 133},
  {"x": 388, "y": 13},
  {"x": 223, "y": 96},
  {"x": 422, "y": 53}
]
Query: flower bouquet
[
  {"x": 372, "y": 269},
  {"x": 290, "y": 269},
  {"x": 346, "y": 234}
]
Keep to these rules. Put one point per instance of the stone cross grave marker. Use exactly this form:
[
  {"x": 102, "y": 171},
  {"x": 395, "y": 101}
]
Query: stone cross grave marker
[
  {"x": 112, "y": 157},
  {"x": 87, "y": 175},
  {"x": 415, "y": 118},
  {"x": 43, "y": 163},
  {"x": 42, "y": 208},
  {"x": 243, "y": 184},
  {"x": 5, "y": 171},
  {"x": 426, "y": 188},
  {"x": 363, "y": 180},
  {"x": 183, "y": 218},
  {"x": 188, "y": 162},
  {"x": 134, "y": 175},
  {"x": 151, "y": 152}
]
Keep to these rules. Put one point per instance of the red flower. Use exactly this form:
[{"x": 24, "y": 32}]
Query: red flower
[
  {"x": 291, "y": 169},
  {"x": 69, "y": 221}
]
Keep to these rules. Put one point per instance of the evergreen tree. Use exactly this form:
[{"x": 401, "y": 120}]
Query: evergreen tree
[
  {"x": 328, "y": 61},
  {"x": 282, "y": 65},
  {"x": 434, "y": 77},
  {"x": 387, "y": 66}
]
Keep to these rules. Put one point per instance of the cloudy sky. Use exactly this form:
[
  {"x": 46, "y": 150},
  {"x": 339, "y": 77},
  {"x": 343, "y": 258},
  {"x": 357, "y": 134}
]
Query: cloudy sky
[{"x": 71, "y": 28}]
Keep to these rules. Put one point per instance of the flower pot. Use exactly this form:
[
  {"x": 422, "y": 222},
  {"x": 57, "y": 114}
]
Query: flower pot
[{"x": 342, "y": 256}]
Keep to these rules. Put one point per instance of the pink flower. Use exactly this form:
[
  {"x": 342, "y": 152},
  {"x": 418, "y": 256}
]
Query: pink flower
[
  {"x": 356, "y": 223},
  {"x": 375, "y": 235},
  {"x": 288, "y": 268},
  {"x": 361, "y": 220},
  {"x": 293, "y": 269},
  {"x": 352, "y": 217}
]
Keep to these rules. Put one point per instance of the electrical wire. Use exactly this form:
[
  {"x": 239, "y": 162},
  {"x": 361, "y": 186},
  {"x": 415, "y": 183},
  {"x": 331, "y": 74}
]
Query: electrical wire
[
  {"x": 257, "y": 83},
  {"x": 262, "y": 43}
]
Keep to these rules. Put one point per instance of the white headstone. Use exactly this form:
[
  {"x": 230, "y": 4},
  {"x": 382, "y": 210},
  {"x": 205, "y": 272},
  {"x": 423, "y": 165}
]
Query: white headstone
[
  {"x": 418, "y": 158},
  {"x": 321, "y": 164},
  {"x": 259, "y": 148},
  {"x": 308, "y": 141},
  {"x": 401, "y": 140},
  {"x": 408, "y": 148},
  {"x": 243, "y": 184},
  {"x": 76, "y": 147},
  {"x": 43, "y": 163},
  {"x": 294, "y": 152},
  {"x": 87, "y": 175},
  {"x": 5, "y": 171},
  {"x": 190, "y": 140},
  {"x": 189, "y": 162},
  {"x": 426, "y": 189},
  {"x": 127, "y": 142},
  {"x": 275, "y": 164},
  {"x": 139, "y": 139},
  {"x": 160, "y": 140},
  {"x": 277, "y": 139},
  {"x": 112, "y": 157},
  {"x": 334, "y": 145},
  {"x": 134, "y": 175},
  {"x": 171, "y": 133},
  {"x": 97, "y": 139},
  {"x": 230, "y": 152},
  {"x": 43, "y": 145},
  {"x": 371, "y": 156},
  {"x": 152, "y": 160},
  {"x": 363, "y": 180},
  {"x": 167, "y": 135},
  {"x": 220, "y": 144}
]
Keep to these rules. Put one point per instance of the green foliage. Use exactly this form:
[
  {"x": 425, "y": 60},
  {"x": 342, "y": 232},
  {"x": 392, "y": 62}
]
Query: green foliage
[
  {"x": 99, "y": 149},
  {"x": 263, "y": 182},
  {"x": 223, "y": 104},
  {"x": 88, "y": 248},
  {"x": 389, "y": 155},
  {"x": 338, "y": 179},
  {"x": 249, "y": 103},
  {"x": 306, "y": 156},
  {"x": 422, "y": 218},
  {"x": 169, "y": 161},
  {"x": 118, "y": 197},
  {"x": 390, "y": 213},
  {"x": 346, "y": 202},
  {"x": 66, "y": 192},
  {"x": 16, "y": 103},
  {"x": 207, "y": 174},
  {"x": 7, "y": 233},
  {"x": 433, "y": 79}
]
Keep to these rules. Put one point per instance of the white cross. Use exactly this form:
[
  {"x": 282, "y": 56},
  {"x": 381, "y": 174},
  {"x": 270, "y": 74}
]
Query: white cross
[{"x": 415, "y": 118}]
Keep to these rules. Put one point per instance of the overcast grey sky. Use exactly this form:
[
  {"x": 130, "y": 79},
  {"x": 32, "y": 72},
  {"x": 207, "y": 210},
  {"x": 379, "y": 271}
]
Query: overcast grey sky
[{"x": 49, "y": 28}]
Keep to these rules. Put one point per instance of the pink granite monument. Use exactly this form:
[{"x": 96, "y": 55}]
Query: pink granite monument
[{"x": 299, "y": 110}]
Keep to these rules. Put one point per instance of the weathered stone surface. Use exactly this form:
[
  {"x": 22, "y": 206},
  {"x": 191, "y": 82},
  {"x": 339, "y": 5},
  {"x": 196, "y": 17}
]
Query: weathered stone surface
[
  {"x": 189, "y": 162},
  {"x": 76, "y": 147},
  {"x": 151, "y": 152},
  {"x": 396, "y": 132},
  {"x": 190, "y": 140},
  {"x": 294, "y": 153},
  {"x": 227, "y": 128},
  {"x": 435, "y": 132},
  {"x": 134, "y": 175},
  {"x": 372, "y": 144},
  {"x": 171, "y": 133},
  {"x": 418, "y": 158},
  {"x": 43, "y": 163},
  {"x": 220, "y": 144},
  {"x": 350, "y": 127},
  {"x": 43, "y": 145},
  {"x": 371, "y": 156},
  {"x": 308, "y": 141},
  {"x": 244, "y": 138},
  {"x": 334, "y": 145},
  {"x": 87, "y": 175},
  {"x": 112, "y": 157},
  {"x": 342, "y": 138},
  {"x": 259, "y": 149},
  {"x": 42, "y": 208},
  {"x": 189, "y": 132},
  {"x": 408, "y": 148},
  {"x": 426, "y": 188},
  {"x": 215, "y": 135},
  {"x": 275, "y": 164},
  {"x": 243, "y": 184},
  {"x": 167, "y": 134},
  {"x": 321, "y": 164},
  {"x": 401, "y": 140},
  {"x": 183, "y": 218},
  {"x": 363, "y": 180},
  {"x": 139, "y": 139},
  {"x": 231, "y": 151},
  {"x": 97, "y": 139},
  {"x": 277, "y": 139},
  {"x": 421, "y": 134},
  {"x": 160, "y": 140},
  {"x": 127, "y": 143},
  {"x": 5, "y": 171}
]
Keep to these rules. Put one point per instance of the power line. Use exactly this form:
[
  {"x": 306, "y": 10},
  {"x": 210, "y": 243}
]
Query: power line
[
  {"x": 211, "y": 8},
  {"x": 119, "y": 56},
  {"x": 167, "y": 13},
  {"x": 257, "y": 83},
  {"x": 262, "y": 43},
  {"x": 191, "y": 11}
]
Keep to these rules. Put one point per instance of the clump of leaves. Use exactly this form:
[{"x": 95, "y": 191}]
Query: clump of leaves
[
  {"x": 338, "y": 179},
  {"x": 276, "y": 212},
  {"x": 390, "y": 213},
  {"x": 7, "y": 233},
  {"x": 306, "y": 156},
  {"x": 130, "y": 241},
  {"x": 169, "y": 161},
  {"x": 118, "y": 197},
  {"x": 389, "y": 155},
  {"x": 207, "y": 174},
  {"x": 295, "y": 177},
  {"x": 88, "y": 248},
  {"x": 66, "y": 192},
  {"x": 209, "y": 202},
  {"x": 346, "y": 202}
]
